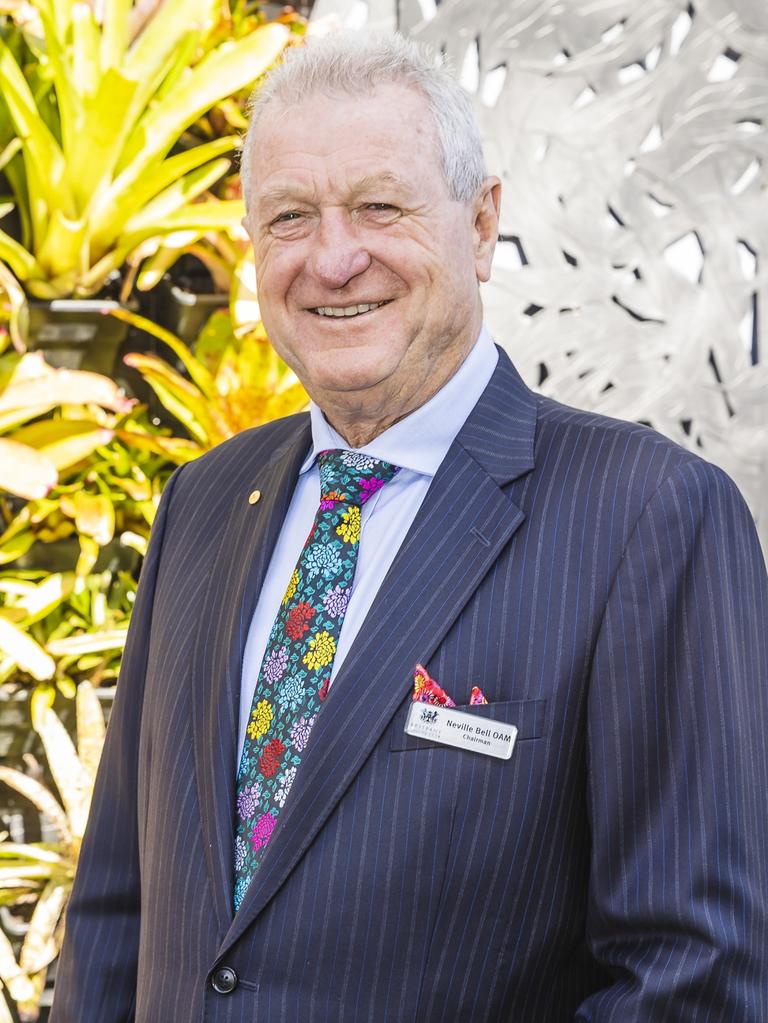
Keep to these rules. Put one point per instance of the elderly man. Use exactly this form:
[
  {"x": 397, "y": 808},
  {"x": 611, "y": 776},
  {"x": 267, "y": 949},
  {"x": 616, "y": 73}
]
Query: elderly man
[{"x": 443, "y": 702}]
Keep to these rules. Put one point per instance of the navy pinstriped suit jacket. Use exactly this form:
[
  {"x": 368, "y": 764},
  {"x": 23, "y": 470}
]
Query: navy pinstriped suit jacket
[{"x": 606, "y": 590}]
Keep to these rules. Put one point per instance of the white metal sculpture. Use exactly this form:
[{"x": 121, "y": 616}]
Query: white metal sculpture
[{"x": 631, "y": 142}]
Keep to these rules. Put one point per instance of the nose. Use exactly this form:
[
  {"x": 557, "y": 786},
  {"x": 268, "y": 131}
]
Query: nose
[{"x": 338, "y": 253}]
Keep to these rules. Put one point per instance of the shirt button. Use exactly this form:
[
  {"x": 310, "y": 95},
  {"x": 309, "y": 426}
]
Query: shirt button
[{"x": 224, "y": 980}]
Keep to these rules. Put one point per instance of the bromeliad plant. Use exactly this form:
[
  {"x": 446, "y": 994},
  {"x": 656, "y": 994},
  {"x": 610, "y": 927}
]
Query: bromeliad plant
[
  {"x": 59, "y": 449},
  {"x": 90, "y": 121},
  {"x": 220, "y": 253},
  {"x": 234, "y": 380},
  {"x": 41, "y": 873},
  {"x": 60, "y": 452},
  {"x": 239, "y": 18},
  {"x": 58, "y": 630},
  {"x": 110, "y": 495},
  {"x": 50, "y": 419}
]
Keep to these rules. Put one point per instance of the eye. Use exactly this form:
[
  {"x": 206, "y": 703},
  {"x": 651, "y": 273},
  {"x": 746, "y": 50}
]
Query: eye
[
  {"x": 379, "y": 212},
  {"x": 289, "y": 224}
]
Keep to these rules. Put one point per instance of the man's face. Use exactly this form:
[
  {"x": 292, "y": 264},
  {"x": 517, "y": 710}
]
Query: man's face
[{"x": 367, "y": 270}]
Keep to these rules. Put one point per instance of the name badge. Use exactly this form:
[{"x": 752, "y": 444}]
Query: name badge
[{"x": 465, "y": 731}]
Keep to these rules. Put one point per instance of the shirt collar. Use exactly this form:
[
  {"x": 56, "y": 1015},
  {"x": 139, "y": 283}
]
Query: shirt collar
[{"x": 421, "y": 440}]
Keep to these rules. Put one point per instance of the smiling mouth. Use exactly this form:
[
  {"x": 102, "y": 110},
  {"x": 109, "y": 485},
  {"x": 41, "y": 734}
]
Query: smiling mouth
[{"x": 343, "y": 312}]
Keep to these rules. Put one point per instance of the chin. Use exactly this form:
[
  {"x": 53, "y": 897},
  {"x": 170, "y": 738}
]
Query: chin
[{"x": 355, "y": 370}]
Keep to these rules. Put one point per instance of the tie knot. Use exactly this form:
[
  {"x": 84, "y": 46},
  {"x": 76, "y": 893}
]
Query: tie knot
[{"x": 351, "y": 477}]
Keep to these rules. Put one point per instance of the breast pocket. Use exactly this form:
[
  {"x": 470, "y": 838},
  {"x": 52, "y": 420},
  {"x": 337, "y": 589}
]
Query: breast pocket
[{"x": 528, "y": 717}]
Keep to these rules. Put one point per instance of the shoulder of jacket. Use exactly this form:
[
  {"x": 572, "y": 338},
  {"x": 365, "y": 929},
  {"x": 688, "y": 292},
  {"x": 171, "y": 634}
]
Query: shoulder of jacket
[
  {"x": 638, "y": 455},
  {"x": 224, "y": 464}
]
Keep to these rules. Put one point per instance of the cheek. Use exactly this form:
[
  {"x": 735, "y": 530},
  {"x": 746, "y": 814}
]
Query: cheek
[
  {"x": 276, "y": 270},
  {"x": 439, "y": 260},
  {"x": 281, "y": 341}
]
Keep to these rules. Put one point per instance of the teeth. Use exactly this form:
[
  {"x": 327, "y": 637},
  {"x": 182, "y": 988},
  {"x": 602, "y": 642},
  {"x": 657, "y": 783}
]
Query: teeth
[{"x": 352, "y": 310}]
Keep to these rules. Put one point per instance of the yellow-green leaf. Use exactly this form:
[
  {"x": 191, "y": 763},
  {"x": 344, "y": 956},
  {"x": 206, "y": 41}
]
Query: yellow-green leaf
[
  {"x": 45, "y": 596},
  {"x": 28, "y": 654},
  {"x": 41, "y": 797},
  {"x": 227, "y": 69},
  {"x": 42, "y": 154},
  {"x": 161, "y": 36},
  {"x": 175, "y": 197},
  {"x": 134, "y": 541},
  {"x": 88, "y": 643},
  {"x": 41, "y": 701},
  {"x": 16, "y": 299},
  {"x": 178, "y": 449},
  {"x": 20, "y": 987},
  {"x": 90, "y": 728},
  {"x": 65, "y": 442},
  {"x": 86, "y": 63},
  {"x": 40, "y": 947},
  {"x": 66, "y": 686},
  {"x": 22, "y": 262},
  {"x": 59, "y": 249},
  {"x": 95, "y": 516},
  {"x": 72, "y": 780},
  {"x": 178, "y": 395},
  {"x": 15, "y": 546},
  {"x": 89, "y": 553},
  {"x": 47, "y": 388},
  {"x": 115, "y": 34},
  {"x": 29, "y": 851},
  {"x": 193, "y": 366},
  {"x": 106, "y": 125},
  {"x": 244, "y": 302},
  {"x": 26, "y": 472},
  {"x": 114, "y": 207}
]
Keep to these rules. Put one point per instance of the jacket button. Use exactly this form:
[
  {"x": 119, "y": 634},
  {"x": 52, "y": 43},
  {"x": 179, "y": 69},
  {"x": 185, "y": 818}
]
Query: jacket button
[{"x": 224, "y": 980}]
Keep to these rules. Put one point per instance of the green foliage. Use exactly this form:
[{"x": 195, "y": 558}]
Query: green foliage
[
  {"x": 36, "y": 446},
  {"x": 58, "y": 629},
  {"x": 41, "y": 873},
  {"x": 86, "y": 490},
  {"x": 115, "y": 130},
  {"x": 90, "y": 124},
  {"x": 232, "y": 382}
]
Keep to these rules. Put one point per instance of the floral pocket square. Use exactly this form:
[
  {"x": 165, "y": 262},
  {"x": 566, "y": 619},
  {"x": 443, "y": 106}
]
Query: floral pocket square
[{"x": 427, "y": 690}]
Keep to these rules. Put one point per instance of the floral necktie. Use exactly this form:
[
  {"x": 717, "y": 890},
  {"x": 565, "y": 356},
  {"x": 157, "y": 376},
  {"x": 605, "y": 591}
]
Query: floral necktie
[{"x": 296, "y": 669}]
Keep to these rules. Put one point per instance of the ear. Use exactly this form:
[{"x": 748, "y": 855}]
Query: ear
[{"x": 486, "y": 225}]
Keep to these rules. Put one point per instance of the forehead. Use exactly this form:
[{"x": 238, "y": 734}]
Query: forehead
[{"x": 337, "y": 143}]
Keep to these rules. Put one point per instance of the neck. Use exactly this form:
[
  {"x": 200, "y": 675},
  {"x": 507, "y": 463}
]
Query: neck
[
  {"x": 361, "y": 424},
  {"x": 357, "y": 435}
]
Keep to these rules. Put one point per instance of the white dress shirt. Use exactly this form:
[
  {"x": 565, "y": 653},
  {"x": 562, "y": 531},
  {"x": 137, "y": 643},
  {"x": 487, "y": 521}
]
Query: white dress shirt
[{"x": 418, "y": 444}]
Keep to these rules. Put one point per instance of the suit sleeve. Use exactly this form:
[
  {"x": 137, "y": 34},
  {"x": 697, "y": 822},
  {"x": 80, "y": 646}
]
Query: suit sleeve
[
  {"x": 678, "y": 770},
  {"x": 96, "y": 974}
]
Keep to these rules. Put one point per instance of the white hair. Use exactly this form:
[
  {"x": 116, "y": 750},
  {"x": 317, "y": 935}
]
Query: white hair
[{"x": 351, "y": 63}]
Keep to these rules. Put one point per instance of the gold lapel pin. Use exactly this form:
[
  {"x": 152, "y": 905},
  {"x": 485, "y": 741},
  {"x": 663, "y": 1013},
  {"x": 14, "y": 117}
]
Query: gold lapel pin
[{"x": 254, "y": 496}]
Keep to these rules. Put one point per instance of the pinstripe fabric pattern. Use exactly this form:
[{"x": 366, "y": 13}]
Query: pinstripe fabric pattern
[{"x": 606, "y": 591}]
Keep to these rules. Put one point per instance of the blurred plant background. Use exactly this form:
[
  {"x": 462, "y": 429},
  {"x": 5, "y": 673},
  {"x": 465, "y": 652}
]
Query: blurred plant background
[{"x": 130, "y": 342}]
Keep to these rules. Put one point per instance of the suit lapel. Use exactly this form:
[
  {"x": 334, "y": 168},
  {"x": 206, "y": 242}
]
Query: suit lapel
[
  {"x": 464, "y": 523},
  {"x": 248, "y": 538}
]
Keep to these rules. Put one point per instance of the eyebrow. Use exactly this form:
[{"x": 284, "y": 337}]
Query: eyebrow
[{"x": 275, "y": 196}]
